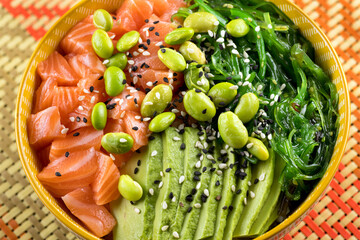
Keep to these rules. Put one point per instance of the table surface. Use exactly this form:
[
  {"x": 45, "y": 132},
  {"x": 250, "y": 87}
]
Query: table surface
[{"x": 23, "y": 216}]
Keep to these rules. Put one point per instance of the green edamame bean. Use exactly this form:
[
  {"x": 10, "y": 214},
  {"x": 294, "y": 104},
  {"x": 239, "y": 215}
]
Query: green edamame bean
[
  {"x": 201, "y": 22},
  {"x": 172, "y": 59},
  {"x": 191, "y": 52},
  {"x": 257, "y": 148},
  {"x": 179, "y": 36},
  {"x": 102, "y": 44},
  {"x": 118, "y": 60},
  {"x": 99, "y": 116},
  {"x": 237, "y": 28},
  {"x": 115, "y": 81},
  {"x": 195, "y": 78},
  {"x": 129, "y": 188},
  {"x": 117, "y": 143},
  {"x": 247, "y": 107},
  {"x": 103, "y": 20},
  {"x": 232, "y": 130},
  {"x": 199, "y": 106},
  {"x": 223, "y": 93},
  {"x": 156, "y": 100},
  {"x": 162, "y": 121},
  {"x": 127, "y": 41}
]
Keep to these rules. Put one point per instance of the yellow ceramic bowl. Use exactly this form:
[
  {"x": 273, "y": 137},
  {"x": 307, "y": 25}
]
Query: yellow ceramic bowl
[{"x": 325, "y": 55}]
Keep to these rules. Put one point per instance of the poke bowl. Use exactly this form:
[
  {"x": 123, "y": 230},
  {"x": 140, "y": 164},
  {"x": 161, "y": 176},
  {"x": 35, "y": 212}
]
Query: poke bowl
[{"x": 325, "y": 57}]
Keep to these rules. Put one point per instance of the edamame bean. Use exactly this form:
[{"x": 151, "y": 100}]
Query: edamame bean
[
  {"x": 232, "y": 130},
  {"x": 191, "y": 52},
  {"x": 103, "y": 20},
  {"x": 172, "y": 59},
  {"x": 156, "y": 100},
  {"x": 195, "y": 78},
  {"x": 127, "y": 41},
  {"x": 99, "y": 116},
  {"x": 130, "y": 189},
  {"x": 115, "y": 81},
  {"x": 237, "y": 28},
  {"x": 162, "y": 121},
  {"x": 117, "y": 143},
  {"x": 102, "y": 44},
  {"x": 179, "y": 36},
  {"x": 257, "y": 148},
  {"x": 118, "y": 60},
  {"x": 247, "y": 107},
  {"x": 199, "y": 106},
  {"x": 223, "y": 93},
  {"x": 201, "y": 22}
]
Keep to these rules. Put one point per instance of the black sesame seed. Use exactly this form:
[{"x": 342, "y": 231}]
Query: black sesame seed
[
  {"x": 124, "y": 82},
  {"x": 168, "y": 170},
  {"x": 229, "y": 78},
  {"x": 157, "y": 181},
  {"x": 204, "y": 169},
  {"x": 142, "y": 65},
  {"x": 197, "y": 90},
  {"x": 205, "y": 151},
  {"x": 213, "y": 161},
  {"x": 231, "y": 166},
  {"x": 203, "y": 197},
  {"x": 193, "y": 191},
  {"x": 135, "y": 128},
  {"x": 157, "y": 34},
  {"x": 151, "y": 28},
  {"x": 242, "y": 175},
  {"x": 91, "y": 88},
  {"x": 189, "y": 198},
  {"x": 134, "y": 69},
  {"x": 212, "y": 169},
  {"x": 84, "y": 120},
  {"x": 114, "y": 17},
  {"x": 198, "y": 155},
  {"x": 57, "y": 174},
  {"x": 147, "y": 90},
  {"x": 135, "y": 100},
  {"x": 217, "y": 183},
  {"x": 139, "y": 162},
  {"x": 76, "y": 134},
  {"x": 231, "y": 208},
  {"x": 100, "y": 78},
  {"x": 163, "y": 50},
  {"x": 182, "y": 146},
  {"x": 224, "y": 207},
  {"x": 78, "y": 119},
  {"x": 256, "y": 181},
  {"x": 171, "y": 195},
  {"x": 197, "y": 173},
  {"x": 166, "y": 80},
  {"x": 196, "y": 178},
  {"x": 146, "y": 66},
  {"x": 204, "y": 111},
  {"x": 222, "y": 103},
  {"x": 201, "y": 73},
  {"x": 200, "y": 133},
  {"x": 156, "y": 22},
  {"x": 182, "y": 132},
  {"x": 67, "y": 154},
  {"x": 132, "y": 203},
  {"x": 148, "y": 41},
  {"x": 151, "y": 138},
  {"x": 146, "y": 20},
  {"x": 238, "y": 191},
  {"x": 136, "y": 170},
  {"x": 179, "y": 26},
  {"x": 189, "y": 209},
  {"x": 161, "y": 46},
  {"x": 130, "y": 55},
  {"x": 110, "y": 106}
]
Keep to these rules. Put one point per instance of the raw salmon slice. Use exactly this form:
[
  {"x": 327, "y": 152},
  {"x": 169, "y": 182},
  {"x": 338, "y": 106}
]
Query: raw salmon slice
[
  {"x": 66, "y": 99},
  {"x": 56, "y": 67},
  {"x": 97, "y": 218},
  {"x": 83, "y": 138},
  {"x": 138, "y": 129},
  {"x": 73, "y": 170},
  {"x": 43, "y": 156},
  {"x": 105, "y": 185},
  {"x": 44, "y": 95},
  {"x": 44, "y": 127},
  {"x": 86, "y": 64},
  {"x": 156, "y": 29},
  {"x": 173, "y": 6},
  {"x": 139, "y": 10}
]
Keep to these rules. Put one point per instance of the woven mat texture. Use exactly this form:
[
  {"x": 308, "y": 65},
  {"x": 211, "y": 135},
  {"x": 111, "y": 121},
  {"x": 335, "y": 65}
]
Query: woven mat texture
[{"x": 23, "y": 216}]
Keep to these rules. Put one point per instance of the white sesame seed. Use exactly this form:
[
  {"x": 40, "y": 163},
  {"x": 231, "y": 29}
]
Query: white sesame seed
[
  {"x": 197, "y": 205},
  {"x": 227, "y": 147},
  {"x": 252, "y": 194},
  {"x": 222, "y": 33},
  {"x": 141, "y": 50},
  {"x": 131, "y": 62},
  {"x": 198, "y": 164},
  {"x": 140, "y": 40},
  {"x": 260, "y": 87},
  {"x": 154, "y": 153},
  {"x": 223, "y": 151},
  {"x": 198, "y": 185},
  {"x": 262, "y": 177},
  {"x": 173, "y": 199},
  {"x": 249, "y": 145},
  {"x": 220, "y": 40},
  {"x": 158, "y": 44},
  {"x": 72, "y": 119},
  {"x": 157, "y": 94},
  {"x": 201, "y": 157},
  {"x": 129, "y": 97},
  {"x": 206, "y": 192},
  {"x": 240, "y": 83},
  {"x": 269, "y": 136},
  {"x": 149, "y": 84},
  {"x": 216, "y": 23},
  {"x": 210, "y": 157},
  {"x": 92, "y": 100},
  {"x": 183, "y": 113},
  {"x": 148, "y": 103},
  {"x": 246, "y": 60},
  {"x": 270, "y": 26},
  {"x": 283, "y": 86},
  {"x": 146, "y": 53},
  {"x": 164, "y": 228},
  {"x": 233, "y": 189},
  {"x": 135, "y": 80},
  {"x": 137, "y": 117},
  {"x": 193, "y": 125},
  {"x": 211, "y": 75},
  {"x": 112, "y": 156},
  {"x": 245, "y": 201},
  {"x": 246, "y": 153},
  {"x": 64, "y": 130},
  {"x": 257, "y": 29},
  {"x": 181, "y": 126},
  {"x": 164, "y": 205},
  {"x": 175, "y": 110},
  {"x": 81, "y": 98},
  {"x": 137, "y": 210},
  {"x": 175, "y": 235},
  {"x": 219, "y": 172},
  {"x": 161, "y": 174},
  {"x": 106, "y": 61},
  {"x": 222, "y": 165},
  {"x": 276, "y": 98},
  {"x": 181, "y": 179},
  {"x": 211, "y": 138},
  {"x": 135, "y": 53},
  {"x": 161, "y": 184},
  {"x": 122, "y": 114},
  {"x": 249, "y": 183},
  {"x": 246, "y": 55},
  {"x": 234, "y": 51},
  {"x": 86, "y": 91},
  {"x": 147, "y": 34},
  {"x": 234, "y": 87},
  {"x": 262, "y": 135},
  {"x": 272, "y": 96},
  {"x": 176, "y": 138},
  {"x": 272, "y": 103},
  {"x": 112, "y": 37},
  {"x": 123, "y": 140},
  {"x": 211, "y": 34},
  {"x": 151, "y": 191}
]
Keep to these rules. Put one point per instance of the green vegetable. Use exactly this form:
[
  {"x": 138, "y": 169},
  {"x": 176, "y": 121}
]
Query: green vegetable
[
  {"x": 162, "y": 121},
  {"x": 172, "y": 59},
  {"x": 127, "y": 41},
  {"x": 102, "y": 44},
  {"x": 195, "y": 78},
  {"x": 199, "y": 106},
  {"x": 115, "y": 81},
  {"x": 117, "y": 143},
  {"x": 223, "y": 93},
  {"x": 237, "y": 28},
  {"x": 191, "y": 52},
  {"x": 99, "y": 116},
  {"x": 103, "y": 20},
  {"x": 232, "y": 130},
  {"x": 156, "y": 100},
  {"x": 201, "y": 22},
  {"x": 129, "y": 189},
  {"x": 247, "y": 107},
  {"x": 179, "y": 36},
  {"x": 118, "y": 60},
  {"x": 257, "y": 148}
]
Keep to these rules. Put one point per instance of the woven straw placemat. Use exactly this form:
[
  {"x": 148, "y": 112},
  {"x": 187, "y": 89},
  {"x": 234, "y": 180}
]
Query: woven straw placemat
[{"x": 23, "y": 216}]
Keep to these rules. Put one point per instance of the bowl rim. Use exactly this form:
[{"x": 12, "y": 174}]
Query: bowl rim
[{"x": 306, "y": 205}]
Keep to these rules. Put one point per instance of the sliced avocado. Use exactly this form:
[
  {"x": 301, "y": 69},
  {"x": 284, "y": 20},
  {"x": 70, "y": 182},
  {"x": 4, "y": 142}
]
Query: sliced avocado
[
  {"x": 271, "y": 200},
  {"x": 273, "y": 216},
  {"x": 191, "y": 151},
  {"x": 134, "y": 219},
  {"x": 199, "y": 198},
  {"x": 227, "y": 194},
  {"x": 238, "y": 200},
  {"x": 173, "y": 167},
  {"x": 206, "y": 225},
  {"x": 260, "y": 191}
]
